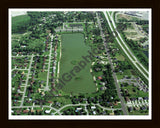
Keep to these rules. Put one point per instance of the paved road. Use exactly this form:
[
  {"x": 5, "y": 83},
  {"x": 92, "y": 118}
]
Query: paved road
[
  {"x": 37, "y": 106},
  {"x": 47, "y": 88},
  {"x": 27, "y": 81},
  {"x": 19, "y": 69},
  {"x": 22, "y": 56},
  {"x": 68, "y": 105},
  {"x": 134, "y": 62},
  {"x": 28, "y": 55},
  {"x": 111, "y": 17},
  {"x": 124, "y": 109},
  {"x": 58, "y": 71}
]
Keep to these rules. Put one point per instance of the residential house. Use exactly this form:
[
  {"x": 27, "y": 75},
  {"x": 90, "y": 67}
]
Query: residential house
[
  {"x": 111, "y": 113},
  {"x": 25, "y": 111},
  {"x": 47, "y": 111},
  {"x": 93, "y": 107},
  {"x": 127, "y": 99}
]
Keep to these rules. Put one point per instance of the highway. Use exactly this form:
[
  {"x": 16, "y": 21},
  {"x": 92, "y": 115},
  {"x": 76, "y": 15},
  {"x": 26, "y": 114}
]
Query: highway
[
  {"x": 136, "y": 63},
  {"x": 125, "y": 44}
]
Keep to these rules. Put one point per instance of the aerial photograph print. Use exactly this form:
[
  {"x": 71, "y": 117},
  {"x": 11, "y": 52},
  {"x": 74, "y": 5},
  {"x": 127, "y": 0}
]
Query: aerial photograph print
[{"x": 79, "y": 64}]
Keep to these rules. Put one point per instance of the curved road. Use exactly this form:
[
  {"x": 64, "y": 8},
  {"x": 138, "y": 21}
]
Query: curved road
[
  {"x": 125, "y": 44},
  {"x": 68, "y": 105},
  {"x": 134, "y": 62}
]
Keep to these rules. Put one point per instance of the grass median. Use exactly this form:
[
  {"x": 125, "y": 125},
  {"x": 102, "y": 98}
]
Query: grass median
[{"x": 127, "y": 51}]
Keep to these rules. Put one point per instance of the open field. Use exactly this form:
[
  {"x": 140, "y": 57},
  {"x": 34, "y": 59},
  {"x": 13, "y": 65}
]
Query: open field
[
  {"x": 138, "y": 113},
  {"x": 133, "y": 32},
  {"x": 20, "y": 23},
  {"x": 137, "y": 93},
  {"x": 120, "y": 57},
  {"x": 128, "y": 50},
  {"x": 73, "y": 48},
  {"x": 127, "y": 18},
  {"x": 42, "y": 76},
  {"x": 125, "y": 73},
  {"x": 20, "y": 19}
]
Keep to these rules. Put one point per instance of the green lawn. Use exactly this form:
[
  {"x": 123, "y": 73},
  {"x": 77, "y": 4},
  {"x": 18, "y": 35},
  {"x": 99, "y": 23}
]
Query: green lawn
[
  {"x": 139, "y": 73},
  {"x": 42, "y": 76},
  {"x": 20, "y": 23},
  {"x": 138, "y": 113},
  {"x": 73, "y": 48},
  {"x": 120, "y": 57},
  {"x": 136, "y": 94},
  {"x": 125, "y": 73}
]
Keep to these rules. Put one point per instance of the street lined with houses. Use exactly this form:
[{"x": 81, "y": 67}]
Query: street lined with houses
[
  {"x": 126, "y": 52},
  {"x": 114, "y": 76},
  {"x": 76, "y": 63}
]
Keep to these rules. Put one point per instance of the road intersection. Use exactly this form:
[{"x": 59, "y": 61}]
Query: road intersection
[{"x": 68, "y": 105}]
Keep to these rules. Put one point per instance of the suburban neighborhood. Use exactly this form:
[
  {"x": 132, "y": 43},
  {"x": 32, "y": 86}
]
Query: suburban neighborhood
[{"x": 86, "y": 63}]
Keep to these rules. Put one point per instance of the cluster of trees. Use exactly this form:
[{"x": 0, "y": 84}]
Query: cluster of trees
[
  {"x": 88, "y": 16},
  {"x": 125, "y": 92},
  {"x": 36, "y": 17},
  {"x": 98, "y": 110},
  {"x": 26, "y": 44},
  {"x": 122, "y": 20},
  {"x": 145, "y": 28},
  {"x": 138, "y": 51},
  {"x": 42, "y": 21},
  {"x": 142, "y": 22},
  {"x": 118, "y": 112},
  {"x": 35, "y": 46},
  {"x": 75, "y": 25},
  {"x": 72, "y": 111},
  {"x": 121, "y": 27},
  {"x": 133, "y": 19},
  {"x": 106, "y": 29},
  {"x": 110, "y": 94},
  {"x": 39, "y": 62},
  {"x": 123, "y": 65},
  {"x": 77, "y": 99},
  {"x": 96, "y": 31},
  {"x": 142, "y": 40}
]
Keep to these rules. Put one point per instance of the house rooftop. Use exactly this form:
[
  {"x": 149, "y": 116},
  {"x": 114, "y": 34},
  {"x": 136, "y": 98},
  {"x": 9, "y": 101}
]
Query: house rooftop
[
  {"x": 111, "y": 113},
  {"x": 25, "y": 111},
  {"x": 100, "y": 78}
]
